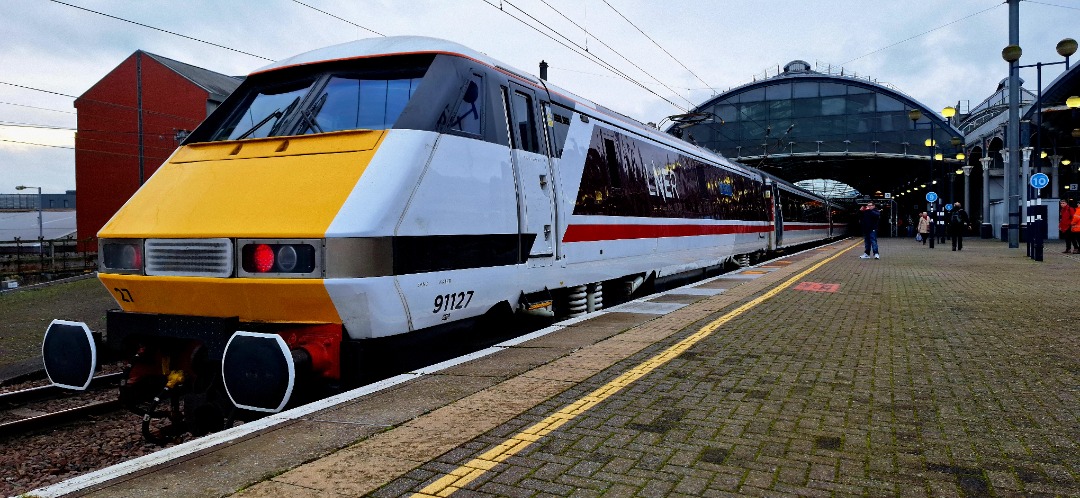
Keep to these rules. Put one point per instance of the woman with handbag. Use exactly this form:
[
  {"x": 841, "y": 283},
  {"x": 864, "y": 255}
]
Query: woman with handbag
[{"x": 924, "y": 227}]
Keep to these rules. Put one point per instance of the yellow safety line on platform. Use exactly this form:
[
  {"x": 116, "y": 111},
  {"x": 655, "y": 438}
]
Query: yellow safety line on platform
[{"x": 472, "y": 470}]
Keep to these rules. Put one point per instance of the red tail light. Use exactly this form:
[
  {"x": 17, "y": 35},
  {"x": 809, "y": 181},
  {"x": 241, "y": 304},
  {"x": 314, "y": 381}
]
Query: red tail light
[
  {"x": 279, "y": 259},
  {"x": 262, "y": 258}
]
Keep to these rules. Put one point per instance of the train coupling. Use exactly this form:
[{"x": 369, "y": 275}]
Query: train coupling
[
  {"x": 537, "y": 303},
  {"x": 69, "y": 352}
]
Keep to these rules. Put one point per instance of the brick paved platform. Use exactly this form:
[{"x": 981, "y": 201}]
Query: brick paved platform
[{"x": 925, "y": 373}]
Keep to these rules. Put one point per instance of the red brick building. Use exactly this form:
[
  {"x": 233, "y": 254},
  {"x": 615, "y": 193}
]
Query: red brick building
[{"x": 129, "y": 123}]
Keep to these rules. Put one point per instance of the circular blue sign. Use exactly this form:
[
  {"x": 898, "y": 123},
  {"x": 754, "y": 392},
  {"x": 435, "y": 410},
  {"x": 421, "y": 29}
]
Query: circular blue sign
[
  {"x": 931, "y": 196},
  {"x": 948, "y": 207},
  {"x": 1040, "y": 180}
]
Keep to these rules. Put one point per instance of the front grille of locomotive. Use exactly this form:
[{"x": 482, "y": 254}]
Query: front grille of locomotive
[{"x": 189, "y": 257}]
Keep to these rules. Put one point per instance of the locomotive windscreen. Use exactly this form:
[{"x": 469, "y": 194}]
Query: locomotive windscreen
[{"x": 316, "y": 99}]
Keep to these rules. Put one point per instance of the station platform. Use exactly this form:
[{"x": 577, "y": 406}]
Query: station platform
[{"x": 929, "y": 372}]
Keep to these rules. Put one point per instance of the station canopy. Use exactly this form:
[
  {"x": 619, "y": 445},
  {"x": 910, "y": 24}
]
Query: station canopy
[{"x": 822, "y": 125}]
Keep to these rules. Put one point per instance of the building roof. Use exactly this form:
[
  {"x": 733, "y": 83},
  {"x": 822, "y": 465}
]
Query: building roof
[
  {"x": 806, "y": 124},
  {"x": 218, "y": 85}
]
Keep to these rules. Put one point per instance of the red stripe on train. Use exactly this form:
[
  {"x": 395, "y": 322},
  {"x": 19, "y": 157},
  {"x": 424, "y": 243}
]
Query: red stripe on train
[{"x": 596, "y": 233}]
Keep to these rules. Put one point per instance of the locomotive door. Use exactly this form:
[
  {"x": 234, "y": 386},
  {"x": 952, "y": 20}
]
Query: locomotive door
[{"x": 529, "y": 151}]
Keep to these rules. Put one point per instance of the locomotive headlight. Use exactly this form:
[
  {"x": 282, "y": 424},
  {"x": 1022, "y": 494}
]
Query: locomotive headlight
[
  {"x": 280, "y": 258},
  {"x": 120, "y": 256},
  {"x": 287, "y": 258}
]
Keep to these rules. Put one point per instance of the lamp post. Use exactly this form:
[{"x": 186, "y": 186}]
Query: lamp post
[
  {"x": 952, "y": 184},
  {"x": 1011, "y": 54},
  {"x": 942, "y": 229},
  {"x": 1008, "y": 227},
  {"x": 986, "y": 230},
  {"x": 1066, "y": 162},
  {"x": 1055, "y": 174},
  {"x": 1072, "y": 103},
  {"x": 1025, "y": 176},
  {"x": 1065, "y": 48},
  {"x": 40, "y": 226},
  {"x": 966, "y": 170},
  {"x": 915, "y": 115}
]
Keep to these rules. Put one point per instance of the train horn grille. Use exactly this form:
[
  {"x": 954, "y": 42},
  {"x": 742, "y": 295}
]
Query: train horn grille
[{"x": 189, "y": 257}]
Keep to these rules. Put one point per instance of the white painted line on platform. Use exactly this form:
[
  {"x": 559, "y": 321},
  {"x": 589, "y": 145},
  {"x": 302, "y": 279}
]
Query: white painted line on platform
[{"x": 698, "y": 291}]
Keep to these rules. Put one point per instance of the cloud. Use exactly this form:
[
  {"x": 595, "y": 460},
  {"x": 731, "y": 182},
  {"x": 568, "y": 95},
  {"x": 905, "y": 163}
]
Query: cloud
[{"x": 66, "y": 50}]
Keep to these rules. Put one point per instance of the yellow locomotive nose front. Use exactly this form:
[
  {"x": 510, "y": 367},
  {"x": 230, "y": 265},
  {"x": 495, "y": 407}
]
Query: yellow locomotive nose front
[{"x": 209, "y": 199}]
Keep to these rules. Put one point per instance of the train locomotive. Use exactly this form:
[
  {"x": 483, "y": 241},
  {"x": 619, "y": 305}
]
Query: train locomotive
[{"x": 382, "y": 189}]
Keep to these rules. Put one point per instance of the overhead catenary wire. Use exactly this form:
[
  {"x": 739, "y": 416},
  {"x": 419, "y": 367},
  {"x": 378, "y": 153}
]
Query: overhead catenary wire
[
  {"x": 13, "y": 124},
  {"x": 577, "y": 49},
  {"x": 111, "y": 104},
  {"x": 338, "y": 18},
  {"x": 923, "y": 33},
  {"x": 612, "y": 49},
  {"x": 162, "y": 30},
  {"x": 38, "y": 108},
  {"x": 706, "y": 83},
  {"x": 36, "y": 144},
  {"x": 1052, "y": 5}
]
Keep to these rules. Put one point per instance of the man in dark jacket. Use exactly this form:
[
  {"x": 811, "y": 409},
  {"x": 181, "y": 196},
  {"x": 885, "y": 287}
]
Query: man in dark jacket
[
  {"x": 870, "y": 217},
  {"x": 958, "y": 222}
]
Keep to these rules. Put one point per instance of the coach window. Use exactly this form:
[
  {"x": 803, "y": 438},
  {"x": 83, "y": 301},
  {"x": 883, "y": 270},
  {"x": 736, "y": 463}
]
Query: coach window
[{"x": 524, "y": 122}]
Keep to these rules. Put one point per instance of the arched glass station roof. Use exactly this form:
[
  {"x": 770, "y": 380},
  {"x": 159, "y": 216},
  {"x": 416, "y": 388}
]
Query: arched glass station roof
[{"x": 804, "y": 124}]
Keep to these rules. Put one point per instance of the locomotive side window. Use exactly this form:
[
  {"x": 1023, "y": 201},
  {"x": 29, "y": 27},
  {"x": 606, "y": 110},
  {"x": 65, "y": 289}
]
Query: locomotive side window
[
  {"x": 559, "y": 125},
  {"x": 524, "y": 122},
  {"x": 506, "y": 111},
  {"x": 351, "y": 103},
  {"x": 470, "y": 109}
]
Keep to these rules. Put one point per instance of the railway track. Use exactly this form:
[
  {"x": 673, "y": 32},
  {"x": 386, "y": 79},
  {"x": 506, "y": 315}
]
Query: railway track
[{"x": 45, "y": 406}]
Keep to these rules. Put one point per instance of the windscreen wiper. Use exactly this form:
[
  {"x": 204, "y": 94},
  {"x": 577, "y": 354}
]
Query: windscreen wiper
[
  {"x": 312, "y": 111},
  {"x": 278, "y": 113}
]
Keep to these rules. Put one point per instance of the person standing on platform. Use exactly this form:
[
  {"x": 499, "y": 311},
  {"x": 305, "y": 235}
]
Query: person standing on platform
[
  {"x": 924, "y": 227},
  {"x": 958, "y": 222},
  {"x": 1065, "y": 224},
  {"x": 1075, "y": 227},
  {"x": 870, "y": 218}
]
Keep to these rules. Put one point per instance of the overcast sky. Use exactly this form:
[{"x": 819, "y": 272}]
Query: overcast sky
[{"x": 936, "y": 51}]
